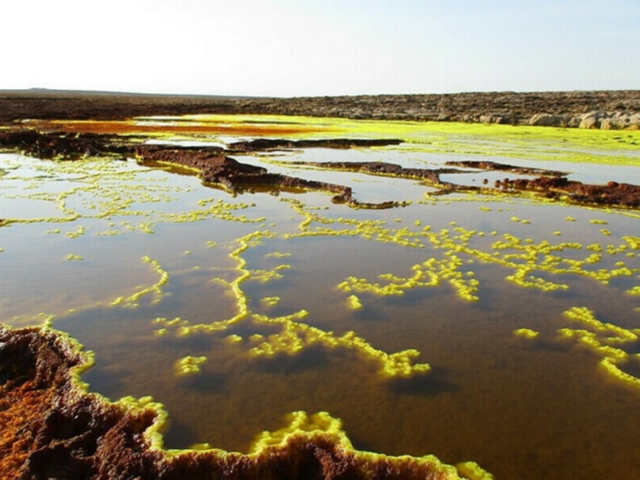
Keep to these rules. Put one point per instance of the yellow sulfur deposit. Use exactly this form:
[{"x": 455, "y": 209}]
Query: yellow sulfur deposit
[
  {"x": 278, "y": 255},
  {"x": 354, "y": 302},
  {"x": 156, "y": 288},
  {"x": 270, "y": 301},
  {"x": 189, "y": 365},
  {"x": 75, "y": 234},
  {"x": 296, "y": 335},
  {"x": 606, "y": 341},
  {"x": 473, "y": 471},
  {"x": 233, "y": 338},
  {"x": 526, "y": 333}
]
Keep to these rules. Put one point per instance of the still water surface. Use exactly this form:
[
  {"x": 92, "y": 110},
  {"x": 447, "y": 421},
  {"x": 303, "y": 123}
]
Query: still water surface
[{"x": 521, "y": 408}]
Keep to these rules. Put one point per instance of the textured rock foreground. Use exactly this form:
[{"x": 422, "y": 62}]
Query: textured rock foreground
[
  {"x": 591, "y": 109},
  {"x": 51, "y": 428}
]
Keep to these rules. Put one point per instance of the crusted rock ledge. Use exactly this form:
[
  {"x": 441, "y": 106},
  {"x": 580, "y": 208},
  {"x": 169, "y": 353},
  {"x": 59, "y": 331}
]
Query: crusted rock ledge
[{"x": 51, "y": 427}]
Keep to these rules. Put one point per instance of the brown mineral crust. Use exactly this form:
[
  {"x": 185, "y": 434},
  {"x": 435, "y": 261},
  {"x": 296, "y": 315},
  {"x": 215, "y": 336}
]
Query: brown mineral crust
[
  {"x": 216, "y": 168},
  {"x": 384, "y": 168},
  {"x": 266, "y": 144},
  {"x": 19, "y": 409},
  {"x": 51, "y": 428},
  {"x": 611, "y": 194},
  {"x": 67, "y": 146},
  {"x": 315, "y": 458},
  {"x": 503, "y": 167}
]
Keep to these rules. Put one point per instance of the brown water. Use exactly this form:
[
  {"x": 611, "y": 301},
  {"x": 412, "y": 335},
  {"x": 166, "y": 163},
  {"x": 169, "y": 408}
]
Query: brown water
[{"x": 521, "y": 408}]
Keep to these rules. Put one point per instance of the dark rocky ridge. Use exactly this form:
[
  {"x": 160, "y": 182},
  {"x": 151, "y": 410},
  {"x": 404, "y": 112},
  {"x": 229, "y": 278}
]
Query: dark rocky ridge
[{"x": 586, "y": 109}]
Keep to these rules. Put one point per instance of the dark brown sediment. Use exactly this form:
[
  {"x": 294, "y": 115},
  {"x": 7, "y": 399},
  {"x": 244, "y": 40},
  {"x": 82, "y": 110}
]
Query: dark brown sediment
[
  {"x": 51, "y": 428},
  {"x": 586, "y": 109}
]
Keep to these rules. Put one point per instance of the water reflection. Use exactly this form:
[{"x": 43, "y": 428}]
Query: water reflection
[{"x": 519, "y": 407}]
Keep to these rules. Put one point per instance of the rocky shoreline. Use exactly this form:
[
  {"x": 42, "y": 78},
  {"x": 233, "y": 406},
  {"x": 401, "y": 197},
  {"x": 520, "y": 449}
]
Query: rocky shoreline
[
  {"x": 51, "y": 427},
  {"x": 581, "y": 109}
]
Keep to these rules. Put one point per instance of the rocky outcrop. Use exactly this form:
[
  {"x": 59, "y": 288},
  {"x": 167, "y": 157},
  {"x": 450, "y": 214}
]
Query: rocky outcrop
[
  {"x": 611, "y": 194},
  {"x": 608, "y": 120},
  {"x": 593, "y": 119},
  {"x": 548, "y": 120}
]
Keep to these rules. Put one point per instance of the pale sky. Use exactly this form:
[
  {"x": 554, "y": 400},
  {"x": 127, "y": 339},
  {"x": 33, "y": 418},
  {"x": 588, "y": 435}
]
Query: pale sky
[{"x": 320, "y": 47}]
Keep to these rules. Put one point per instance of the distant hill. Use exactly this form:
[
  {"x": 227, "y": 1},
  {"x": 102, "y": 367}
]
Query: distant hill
[
  {"x": 586, "y": 109},
  {"x": 54, "y": 92}
]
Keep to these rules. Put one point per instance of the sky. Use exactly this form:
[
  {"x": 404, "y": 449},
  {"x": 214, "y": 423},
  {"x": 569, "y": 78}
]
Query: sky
[{"x": 320, "y": 47}]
